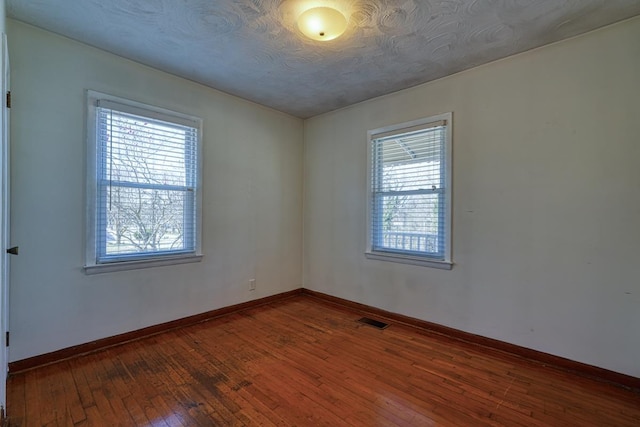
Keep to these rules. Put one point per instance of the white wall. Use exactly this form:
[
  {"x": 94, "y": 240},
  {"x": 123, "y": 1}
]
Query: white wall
[
  {"x": 546, "y": 219},
  {"x": 546, "y": 201},
  {"x": 252, "y": 201}
]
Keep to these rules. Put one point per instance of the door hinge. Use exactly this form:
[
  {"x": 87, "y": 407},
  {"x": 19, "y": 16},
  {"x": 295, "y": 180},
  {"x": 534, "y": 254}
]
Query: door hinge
[
  {"x": 7, "y": 339},
  {"x": 9, "y": 99}
]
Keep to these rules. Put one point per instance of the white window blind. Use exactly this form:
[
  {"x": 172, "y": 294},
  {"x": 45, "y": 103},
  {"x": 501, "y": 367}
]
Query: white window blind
[
  {"x": 410, "y": 192},
  {"x": 146, "y": 183}
]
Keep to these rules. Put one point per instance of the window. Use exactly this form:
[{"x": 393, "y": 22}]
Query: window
[
  {"x": 143, "y": 185},
  {"x": 409, "y": 207}
]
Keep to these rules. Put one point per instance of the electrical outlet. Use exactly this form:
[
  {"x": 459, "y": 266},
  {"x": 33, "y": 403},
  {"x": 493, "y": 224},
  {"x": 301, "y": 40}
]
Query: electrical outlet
[{"x": 252, "y": 284}]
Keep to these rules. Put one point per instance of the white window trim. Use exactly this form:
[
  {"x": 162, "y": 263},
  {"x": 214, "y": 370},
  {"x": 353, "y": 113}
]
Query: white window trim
[
  {"x": 446, "y": 263},
  {"x": 91, "y": 266}
]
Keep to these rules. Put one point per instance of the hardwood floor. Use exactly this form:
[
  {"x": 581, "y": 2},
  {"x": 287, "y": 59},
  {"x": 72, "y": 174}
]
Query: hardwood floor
[{"x": 306, "y": 363}]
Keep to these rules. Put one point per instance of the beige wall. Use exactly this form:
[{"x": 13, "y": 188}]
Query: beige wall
[
  {"x": 546, "y": 182},
  {"x": 252, "y": 199}
]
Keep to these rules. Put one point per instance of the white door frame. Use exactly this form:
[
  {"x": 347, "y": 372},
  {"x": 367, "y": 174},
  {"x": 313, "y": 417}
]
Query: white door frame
[{"x": 4, "y": 223}]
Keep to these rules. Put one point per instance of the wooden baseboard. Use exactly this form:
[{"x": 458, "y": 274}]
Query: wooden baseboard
[
  {"x": 101, "y": 344},
  {"x": 557, "y": 362}
]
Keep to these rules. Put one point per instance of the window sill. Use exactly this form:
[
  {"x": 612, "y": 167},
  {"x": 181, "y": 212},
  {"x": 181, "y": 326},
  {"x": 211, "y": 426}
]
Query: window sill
[
  {"x": 404, "y": 259},
  {"x": 137, "y": 264}
]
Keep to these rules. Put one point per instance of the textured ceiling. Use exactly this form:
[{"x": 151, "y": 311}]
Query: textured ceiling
[{"x": 253, "y": 49}]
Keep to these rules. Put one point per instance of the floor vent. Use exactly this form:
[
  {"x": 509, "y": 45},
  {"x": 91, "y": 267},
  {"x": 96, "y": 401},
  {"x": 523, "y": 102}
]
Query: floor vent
[{"x": 375, "y": 323}]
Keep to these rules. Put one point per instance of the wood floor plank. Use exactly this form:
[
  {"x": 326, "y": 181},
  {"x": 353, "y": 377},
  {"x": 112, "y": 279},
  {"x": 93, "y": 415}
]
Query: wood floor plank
[
  {"x": 72, "y": 399},
  {"x": 301, "y": 362},
  {"x": 17, "y": 386}
]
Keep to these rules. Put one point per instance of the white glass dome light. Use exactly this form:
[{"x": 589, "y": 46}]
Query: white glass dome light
[{"x": 322, "y": 23}]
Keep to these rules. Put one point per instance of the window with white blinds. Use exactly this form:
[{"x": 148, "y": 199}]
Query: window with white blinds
[
  {"x": 145, "y": 175},
  {"x": 410, "y": 191}
]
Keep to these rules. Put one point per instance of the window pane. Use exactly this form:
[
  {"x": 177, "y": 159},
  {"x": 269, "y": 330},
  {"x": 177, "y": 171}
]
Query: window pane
[
  {"x": 142, "y": 150},
  {"x": 410, "y": 223},
  {"x": 141, "y": 220},
  {"x": 409, "y": 161}
]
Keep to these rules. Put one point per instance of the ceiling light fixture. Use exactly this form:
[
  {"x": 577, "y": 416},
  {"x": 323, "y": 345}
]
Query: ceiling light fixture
[{"x": 322, "y": 23}]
